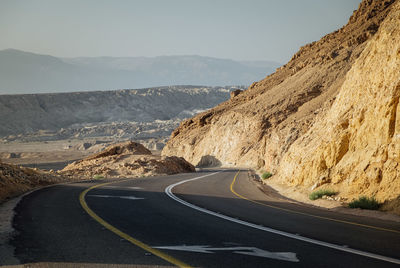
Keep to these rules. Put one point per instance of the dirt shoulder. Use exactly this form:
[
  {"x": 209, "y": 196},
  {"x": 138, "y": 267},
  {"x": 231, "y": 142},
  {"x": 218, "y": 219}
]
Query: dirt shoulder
[{"x": 273, "y": 188}]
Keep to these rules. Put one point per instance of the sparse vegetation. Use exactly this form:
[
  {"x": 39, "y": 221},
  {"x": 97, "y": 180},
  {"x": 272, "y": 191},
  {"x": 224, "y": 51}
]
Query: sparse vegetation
[
  {"x": 320, "y": 193},
  {"x": 266, "y": 175},
  {"x": 98, "y": 177},
  {"x": 365, "y": 203}
]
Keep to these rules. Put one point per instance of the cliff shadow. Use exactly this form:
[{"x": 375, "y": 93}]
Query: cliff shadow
[
  {"x": 208, "y": 161},
  {"x": 392, "y": 205}
]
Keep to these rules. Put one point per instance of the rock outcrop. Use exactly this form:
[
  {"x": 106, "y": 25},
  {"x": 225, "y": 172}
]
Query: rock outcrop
[
  {"x": 257, "y": 127},
  {"x": 16, "y": 180},
  {"x": 329, "y": 116},
  {"x": 355, "y": 147},
  {"x": 129, "y": 147},
  {"x": 128, "y": 159}
]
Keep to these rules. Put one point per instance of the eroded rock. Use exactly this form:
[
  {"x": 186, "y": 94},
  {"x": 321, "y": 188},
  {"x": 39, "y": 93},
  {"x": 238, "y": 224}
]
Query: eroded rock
[
  {"x": 128, "y": 159},
  {"x": 357, "y": 143},
  {"x": 328, "y": 117}
]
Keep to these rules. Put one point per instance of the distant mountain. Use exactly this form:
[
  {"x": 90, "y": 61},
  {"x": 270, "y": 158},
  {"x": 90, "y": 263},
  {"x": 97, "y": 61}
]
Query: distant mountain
[{"x": 25, "y": 72}]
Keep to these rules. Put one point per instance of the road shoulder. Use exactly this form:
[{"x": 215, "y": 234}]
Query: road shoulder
[
  {"x": 273, "y": 189},
  {"x": 6, "y": 231}
]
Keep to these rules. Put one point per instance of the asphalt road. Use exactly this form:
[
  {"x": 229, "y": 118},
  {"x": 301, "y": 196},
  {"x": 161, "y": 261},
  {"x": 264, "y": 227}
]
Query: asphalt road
[{"x": 205, "y": 222}]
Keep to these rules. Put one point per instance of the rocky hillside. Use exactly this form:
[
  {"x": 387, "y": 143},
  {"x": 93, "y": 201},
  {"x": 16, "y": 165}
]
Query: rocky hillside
[
  {"x": 355, "y": 147},
  {"x": 33, "y": 112},
  {"x": 314, "y": 111},
  {"x": 125, "y": 160},
  {"x": 17, "y": 180}
]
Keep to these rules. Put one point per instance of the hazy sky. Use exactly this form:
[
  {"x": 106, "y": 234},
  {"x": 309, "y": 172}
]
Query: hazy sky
[{"x": 235, "y": 29}]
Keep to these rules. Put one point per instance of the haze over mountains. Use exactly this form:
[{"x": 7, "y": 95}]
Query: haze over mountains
[{"x": 25, "y": 72}]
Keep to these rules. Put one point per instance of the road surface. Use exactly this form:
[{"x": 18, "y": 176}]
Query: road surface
[{"x": 212, "y": 218}]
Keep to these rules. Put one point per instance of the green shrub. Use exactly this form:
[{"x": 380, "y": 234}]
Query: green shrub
[
  {"x": 98, "y": 177},
  {"x": 365, "y": 203},
  {"x": 266, "y": 175},
  {"x": 320, "y": 193}
]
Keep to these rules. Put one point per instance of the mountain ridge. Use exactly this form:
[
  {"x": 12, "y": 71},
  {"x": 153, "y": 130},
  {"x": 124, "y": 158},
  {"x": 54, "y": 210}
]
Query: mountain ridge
[
  {"x": 52, "y": 111},
  {"x": 25, "y": 72}
]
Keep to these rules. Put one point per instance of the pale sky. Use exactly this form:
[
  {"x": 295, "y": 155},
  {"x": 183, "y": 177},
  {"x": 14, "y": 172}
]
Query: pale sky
[{"x": 235, "y": 29}]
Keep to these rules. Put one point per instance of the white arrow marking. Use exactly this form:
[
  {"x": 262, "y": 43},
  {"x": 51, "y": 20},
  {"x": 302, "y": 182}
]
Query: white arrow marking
[
  {"x": 113, "y": 196},
  {"x": 199, "y": 249},
  {"x": 168, "y": 191},
  {"x": 122, "y": 187},
  {"x": 252, "y": 251},
  {"x": 285, "y": 256}
]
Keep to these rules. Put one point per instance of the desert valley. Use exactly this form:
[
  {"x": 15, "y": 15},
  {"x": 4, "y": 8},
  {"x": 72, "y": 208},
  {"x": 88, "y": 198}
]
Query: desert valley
[{"x": 318, "y": 135}]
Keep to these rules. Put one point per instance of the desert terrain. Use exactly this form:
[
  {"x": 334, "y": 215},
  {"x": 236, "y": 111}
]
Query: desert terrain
[
  {"x": 56, "y": 128},
  {"x": 275, "y": 126},
  {"x": 301, "y": 168},
  {"x": 43, "y": 133}
]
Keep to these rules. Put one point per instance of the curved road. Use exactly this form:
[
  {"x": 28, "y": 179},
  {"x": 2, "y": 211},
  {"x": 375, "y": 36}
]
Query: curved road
[{"x": 212, "y": 218}]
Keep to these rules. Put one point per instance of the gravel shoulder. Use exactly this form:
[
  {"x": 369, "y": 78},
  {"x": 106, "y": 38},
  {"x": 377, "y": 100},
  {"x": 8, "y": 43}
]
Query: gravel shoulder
[
  {"x": 301, "y": 196},
  {"x": 6, "y": 231}
]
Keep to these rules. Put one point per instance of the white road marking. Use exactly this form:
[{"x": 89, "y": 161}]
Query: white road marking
[
  {"x": 114, "y": 196},
  {"x": 199, "y": 249},
  {"x": 168, "y": 191},
  {"x": 285, "y": 256},
  {"x": 121, "y": 187}
]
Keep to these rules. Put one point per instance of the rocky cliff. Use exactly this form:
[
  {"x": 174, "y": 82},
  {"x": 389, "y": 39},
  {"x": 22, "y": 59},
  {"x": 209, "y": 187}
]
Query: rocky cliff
[
  {"x": 355, "y": 147},
  {"x": 329, "y": 114},
  {"x": 258, "y": 125}
]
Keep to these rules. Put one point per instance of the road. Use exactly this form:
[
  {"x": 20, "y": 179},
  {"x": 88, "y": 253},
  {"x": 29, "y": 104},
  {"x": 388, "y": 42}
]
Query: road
[{"x": 212, "y": 218}]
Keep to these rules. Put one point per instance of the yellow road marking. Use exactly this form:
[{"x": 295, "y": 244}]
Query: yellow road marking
[
  {"x": 125, "y": 236},
  {"x": 306, "y": 214}
]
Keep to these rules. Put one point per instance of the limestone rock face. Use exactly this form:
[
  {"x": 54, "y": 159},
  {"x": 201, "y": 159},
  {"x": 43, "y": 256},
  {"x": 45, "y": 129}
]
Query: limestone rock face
[
  {"x": 328, "y": 118},
  {"x": 355, "y": 147},
  {"x": 257, "y": 127}
]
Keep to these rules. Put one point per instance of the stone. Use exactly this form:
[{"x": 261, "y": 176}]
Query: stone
[
  {"x": 127, "y": 159},
  {"x": 331, "y": 111},
  {"x": 369, "y": 101},
  {"x": 235, "y": 93}
]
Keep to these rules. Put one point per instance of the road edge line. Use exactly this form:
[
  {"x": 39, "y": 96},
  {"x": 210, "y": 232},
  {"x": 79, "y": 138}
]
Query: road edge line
[
  {"x": 307, "y": 214},
  {"x": 168, "y": 191},
  {"x": 120, "y": 233}
]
